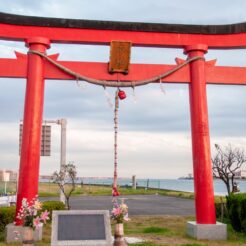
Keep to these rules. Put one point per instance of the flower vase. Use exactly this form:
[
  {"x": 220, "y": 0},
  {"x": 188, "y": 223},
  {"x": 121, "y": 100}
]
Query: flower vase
[
  {"x": 28, "y": 236},
  {"x": 119, "y": 235}
]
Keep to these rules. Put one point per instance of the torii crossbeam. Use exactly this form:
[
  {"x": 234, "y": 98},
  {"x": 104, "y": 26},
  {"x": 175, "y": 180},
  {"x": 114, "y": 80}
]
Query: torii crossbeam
[{"x": 38, "y": 33}]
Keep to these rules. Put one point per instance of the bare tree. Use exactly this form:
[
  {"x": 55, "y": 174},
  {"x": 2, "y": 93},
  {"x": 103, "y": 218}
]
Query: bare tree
[
  {"x": 225, "y": 164},
  {"x": 65, "y": 179}
]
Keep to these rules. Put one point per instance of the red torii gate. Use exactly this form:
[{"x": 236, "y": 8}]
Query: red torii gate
[{"x": 38, "y": 33}]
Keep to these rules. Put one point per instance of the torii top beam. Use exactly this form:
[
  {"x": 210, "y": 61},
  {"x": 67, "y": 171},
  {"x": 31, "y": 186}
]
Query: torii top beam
[
  {"x": 140, "y": 34},
  {"x": 17, "y": 27}
]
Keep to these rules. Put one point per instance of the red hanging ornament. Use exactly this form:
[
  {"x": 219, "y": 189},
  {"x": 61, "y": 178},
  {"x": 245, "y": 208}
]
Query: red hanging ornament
[
  {"x": 115, "y": 192},
  {"x": 121, "y": 95}
]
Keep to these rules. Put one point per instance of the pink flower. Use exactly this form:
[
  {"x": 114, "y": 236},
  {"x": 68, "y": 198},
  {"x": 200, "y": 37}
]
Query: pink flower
[
  {"x": 116, "y": 211},
  {"x": 37, "y": 205},
  {"x": 44, "y": 216},
  {"x": 126, "y": 218},
  {"x": 36, "y": 222}
]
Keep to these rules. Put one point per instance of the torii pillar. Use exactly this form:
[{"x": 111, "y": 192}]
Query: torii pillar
[
  {"x": 203, "y": 180},
  {"x": 32, "y": 123}
]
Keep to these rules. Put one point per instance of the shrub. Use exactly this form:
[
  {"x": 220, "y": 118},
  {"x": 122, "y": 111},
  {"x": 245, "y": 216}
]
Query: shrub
[
  {"x": 53, "y": 205},
  {"x": 7, "y": 215},
  {"x": 243, "y": 214},
  {"x": 218, "y": 210},
  {"x": 221, "y": 212},
  {"x": 236, "y": 204}
]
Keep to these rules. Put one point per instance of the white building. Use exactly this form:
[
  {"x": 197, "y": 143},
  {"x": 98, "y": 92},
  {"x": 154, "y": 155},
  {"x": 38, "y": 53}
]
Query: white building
[
  {"x": 240, "y": 174},
  {"x": 8, "y": 175}
]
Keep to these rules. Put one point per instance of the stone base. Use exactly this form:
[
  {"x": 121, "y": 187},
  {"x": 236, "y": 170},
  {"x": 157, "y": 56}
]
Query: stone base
[
  {"x": 14, "y": 233},
  {"x": 216, "y": 231}
]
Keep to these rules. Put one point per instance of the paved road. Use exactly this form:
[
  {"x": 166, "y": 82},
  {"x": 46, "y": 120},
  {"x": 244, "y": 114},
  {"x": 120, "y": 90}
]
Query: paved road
[{"x": 138, "y": 204}]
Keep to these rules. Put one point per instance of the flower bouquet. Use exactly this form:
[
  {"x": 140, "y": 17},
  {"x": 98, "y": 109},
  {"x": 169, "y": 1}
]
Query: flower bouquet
[
  {"x": 31, "y": 215},
  {"x": 119, "y": 212}
]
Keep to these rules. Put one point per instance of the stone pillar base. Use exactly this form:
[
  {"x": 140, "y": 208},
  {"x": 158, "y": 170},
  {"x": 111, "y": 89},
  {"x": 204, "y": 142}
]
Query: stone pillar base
[
  {"x": 14, "y": 233},
  {"x": 216, "y": 231}
]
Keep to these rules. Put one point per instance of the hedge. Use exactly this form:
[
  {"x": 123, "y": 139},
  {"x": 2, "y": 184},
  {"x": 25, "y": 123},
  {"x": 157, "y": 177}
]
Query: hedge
[
  {"x": 236, "y": 205},
  {"x": 53, "y": 205},
  {"x": 221, "y": 212},
  {"x": 7, "y": 214}
]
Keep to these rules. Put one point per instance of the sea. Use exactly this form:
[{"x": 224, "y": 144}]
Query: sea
[{"x": 169, "y": 184}]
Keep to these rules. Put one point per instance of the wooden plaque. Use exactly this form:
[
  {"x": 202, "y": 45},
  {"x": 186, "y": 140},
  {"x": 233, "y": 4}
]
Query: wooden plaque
[{"x": 120, "y": 53}]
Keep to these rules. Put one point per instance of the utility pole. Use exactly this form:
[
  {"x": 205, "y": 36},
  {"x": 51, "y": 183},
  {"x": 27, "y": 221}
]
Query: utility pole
[{"x": 63, "y": 123}]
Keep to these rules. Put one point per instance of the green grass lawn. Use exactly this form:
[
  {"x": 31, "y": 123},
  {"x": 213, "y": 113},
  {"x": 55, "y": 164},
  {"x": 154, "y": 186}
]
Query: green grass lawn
[
  {"x": 163, "y": 230},
  {"x": 50, "y": 189},
  {"x": 171, "y": 230},
  {"x": 155, "y": 231},
  {"x": 160, "y": 230}
]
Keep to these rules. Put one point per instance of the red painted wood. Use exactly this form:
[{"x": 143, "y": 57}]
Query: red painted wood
[
  {"x": 30, "y": 149},
  {"x": 224, "y": 75},
  {"x": 203, "y": 179},
  {"x": 151, "y": 39},
  {"x": 214, "y": 74},
  {"x": 197, "y": 75}
]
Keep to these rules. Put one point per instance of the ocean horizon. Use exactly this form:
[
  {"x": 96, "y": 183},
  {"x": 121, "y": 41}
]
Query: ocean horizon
[{"x": 169, "y": 184}]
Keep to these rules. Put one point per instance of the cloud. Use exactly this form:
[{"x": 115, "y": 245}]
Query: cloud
[
  {"x": 178, "y": 11},
  {"x": 93, "y": 150},
  {"x": 154, "y": 131},
  {"x": 17, "y": 7},
  {"x": 226, "y": 112},
  {"x": 11, "y": 99}
]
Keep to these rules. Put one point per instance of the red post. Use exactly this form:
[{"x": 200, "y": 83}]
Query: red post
[
  {"x": 32, "y": 123},
  {"x": 203, "y": 179}
]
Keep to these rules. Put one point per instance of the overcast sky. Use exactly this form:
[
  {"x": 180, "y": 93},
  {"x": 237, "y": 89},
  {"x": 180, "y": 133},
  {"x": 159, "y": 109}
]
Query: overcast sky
[{"x": 154, "y": 131}]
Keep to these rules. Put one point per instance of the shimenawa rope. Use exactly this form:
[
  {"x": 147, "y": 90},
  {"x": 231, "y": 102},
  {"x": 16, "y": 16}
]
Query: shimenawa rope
[{"x": 104, "y": 83}]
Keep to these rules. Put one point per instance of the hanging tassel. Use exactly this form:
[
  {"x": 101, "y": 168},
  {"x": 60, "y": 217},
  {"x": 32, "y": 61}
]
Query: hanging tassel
[
  {"x": 162, "y": 88},
  {"x": 80, "y": 84},
  {"x": 134, "y": 96},
  {"x": 134, "y": 93},
  {"x": 108, "y": 97}
]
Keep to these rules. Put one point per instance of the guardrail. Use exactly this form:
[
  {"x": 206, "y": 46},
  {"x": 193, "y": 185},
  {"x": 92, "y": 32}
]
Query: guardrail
[{"x": 7, "y": 200}]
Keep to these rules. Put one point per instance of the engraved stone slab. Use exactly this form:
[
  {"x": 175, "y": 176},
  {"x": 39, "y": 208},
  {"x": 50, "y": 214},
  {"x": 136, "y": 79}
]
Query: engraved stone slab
[{"x": 81, "y": 227}]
